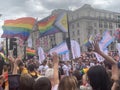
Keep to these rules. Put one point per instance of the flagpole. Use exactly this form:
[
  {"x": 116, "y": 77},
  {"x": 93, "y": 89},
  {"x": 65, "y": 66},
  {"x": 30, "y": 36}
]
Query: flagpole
[
  {"x": 68, "y": 40},
  {"x": 25, "y": 50},
  {"x": 6, "y": 47}
]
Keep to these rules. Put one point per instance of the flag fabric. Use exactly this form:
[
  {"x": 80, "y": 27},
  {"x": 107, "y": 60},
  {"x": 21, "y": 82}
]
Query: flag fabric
[
  {"x": 3, "y": 56},
  {"x": 88, "y": 42},
  {"x": 20, "y": 27},
  {"x": 117, "y": 35},
  {"x": 75, "y": 47},
  {"x": 60, "y": 49},
  {"x": 46, "y": 26},
  {"x": 53, "y": 24},
  {"x": 91, "y": 38},
  {"x": 41, "y": 54},
  {"x": 62, "y": 22},
  {"x": 65, "y": 57},
  {"x": 29, "y": 42},
  {"x": 1, "y": 47},
  {"x": 63, "y": 50},
  {"x": 98, "y": 37},
  {"x": 107, "y": 39},
  {"x": 30, "y": 52},
  {"x": 118, "y": 48},
  {"x": 99, "y": 57}
]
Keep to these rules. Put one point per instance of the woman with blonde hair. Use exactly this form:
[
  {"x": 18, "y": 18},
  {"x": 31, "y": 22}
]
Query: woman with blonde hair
[{"x": 68, "y": 83}]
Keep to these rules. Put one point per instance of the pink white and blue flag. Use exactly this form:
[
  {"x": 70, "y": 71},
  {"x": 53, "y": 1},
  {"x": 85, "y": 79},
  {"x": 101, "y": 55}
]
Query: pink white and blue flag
[{"x": 107, "y": 39}]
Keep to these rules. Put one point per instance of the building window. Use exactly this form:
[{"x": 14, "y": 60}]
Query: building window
[
  {"x": 78, "y": 32},
  {"x": 101, "y": 31},
  {"x": 54, "y": 38},
  {"x": 110, "y": 16},
  {"x": 73, "y": 33},
  {"x": 110, "y": 25},
  {"x": 105, "y": 25},
  {"x": 64, "y": 36},
  {"x": 118, "y": 17},
  {"x": 95, "y": 32},
  {"x": 118, "y": 25},
  {"x": 79, "y": 40},
  {"x": 110, "y": 32},
  {"x": 72, "y": 26},
  {"x": 100, "y": 24},
  {"x": 90, "y": 32},
  {"x": 51, "y": 39},
  {"x": 78, "y": 24},
  {"x": 72, "y": 18},
  {"x": 95, "y": 24}
]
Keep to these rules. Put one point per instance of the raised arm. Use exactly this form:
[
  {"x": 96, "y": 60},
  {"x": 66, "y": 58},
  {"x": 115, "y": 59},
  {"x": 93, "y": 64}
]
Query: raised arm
[
  {"x": 55, "y": 67},
  {"x": 108, "y": 58},
  {"x": 115, "y": 70},
  {"x": 15, "y": 69}
]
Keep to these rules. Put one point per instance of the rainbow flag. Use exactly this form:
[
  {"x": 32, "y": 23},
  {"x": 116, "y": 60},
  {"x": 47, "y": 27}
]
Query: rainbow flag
[
  {"x": 46, "y": 26},
  {"x": 30, "y": 52},
  {"x": 18, "y": 28},
  {"x": 84, "y": 71}
]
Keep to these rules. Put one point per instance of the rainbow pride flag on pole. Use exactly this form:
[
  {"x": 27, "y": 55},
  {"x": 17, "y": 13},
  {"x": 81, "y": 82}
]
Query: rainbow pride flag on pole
[
  {"x": 20, "y": 27},
  {"x": 30, "y": 52}
]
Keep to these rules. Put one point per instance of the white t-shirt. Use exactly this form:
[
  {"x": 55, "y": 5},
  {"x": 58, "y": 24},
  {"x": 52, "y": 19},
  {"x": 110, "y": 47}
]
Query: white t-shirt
[
  {"x": 43, "y": 69},
  {"x": 40, "y": 68},
  {"x": 66, "y": 70}
]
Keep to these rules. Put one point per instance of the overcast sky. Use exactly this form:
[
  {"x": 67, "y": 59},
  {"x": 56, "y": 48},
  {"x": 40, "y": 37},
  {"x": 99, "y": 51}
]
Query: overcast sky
[{"x": 11, "y": 9}]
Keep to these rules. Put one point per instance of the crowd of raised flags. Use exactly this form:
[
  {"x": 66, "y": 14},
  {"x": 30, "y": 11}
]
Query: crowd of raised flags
[
  {"x": 22, "y": 27},
  {"x": 104, "y": 41}
]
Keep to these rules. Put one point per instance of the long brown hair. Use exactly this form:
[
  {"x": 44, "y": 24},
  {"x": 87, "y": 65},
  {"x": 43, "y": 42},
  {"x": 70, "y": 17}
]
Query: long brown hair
[
  {"x": 68, "y": 83},
  {"x": 26, "y": 82}
]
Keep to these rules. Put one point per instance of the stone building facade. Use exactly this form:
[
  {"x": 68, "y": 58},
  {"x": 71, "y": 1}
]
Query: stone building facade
[{"x": 82, "y": 23}]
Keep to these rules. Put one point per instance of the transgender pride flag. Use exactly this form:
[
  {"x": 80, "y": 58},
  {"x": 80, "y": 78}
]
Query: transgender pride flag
[
  {"x": 107, "y": 39},
  {"x": 60, "y": 49}
]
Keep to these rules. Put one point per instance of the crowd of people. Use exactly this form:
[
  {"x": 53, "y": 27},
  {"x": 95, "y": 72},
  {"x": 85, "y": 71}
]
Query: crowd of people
[{"x": 83, "y": 73}]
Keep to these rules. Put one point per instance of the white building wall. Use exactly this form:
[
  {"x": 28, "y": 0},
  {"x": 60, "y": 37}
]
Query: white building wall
[{"x": 89, "y": 20}]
